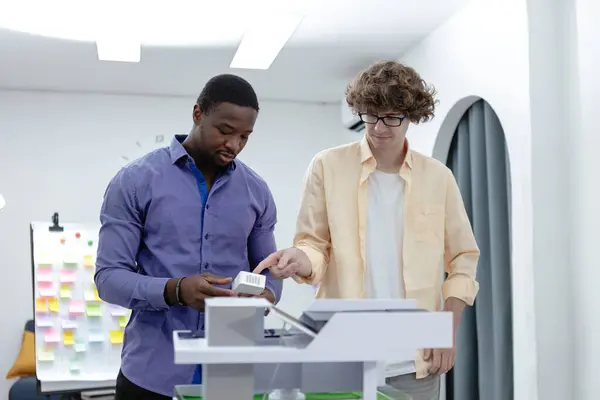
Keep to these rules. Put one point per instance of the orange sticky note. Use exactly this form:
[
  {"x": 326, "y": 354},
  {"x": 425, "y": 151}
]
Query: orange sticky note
[{"x": 41, "y": 306}]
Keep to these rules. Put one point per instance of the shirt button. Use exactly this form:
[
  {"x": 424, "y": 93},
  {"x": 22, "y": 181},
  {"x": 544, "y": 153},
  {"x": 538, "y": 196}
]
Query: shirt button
[
  {"x": 207, "y": 206},
  {"x": 206, "y": 236}
]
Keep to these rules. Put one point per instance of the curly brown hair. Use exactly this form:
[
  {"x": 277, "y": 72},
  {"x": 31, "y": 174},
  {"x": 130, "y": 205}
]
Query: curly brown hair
[{"x": 392, "y": 86}]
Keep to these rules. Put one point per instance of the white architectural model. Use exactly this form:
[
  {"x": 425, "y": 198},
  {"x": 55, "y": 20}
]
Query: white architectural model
[{"x": 335, "y": 346}]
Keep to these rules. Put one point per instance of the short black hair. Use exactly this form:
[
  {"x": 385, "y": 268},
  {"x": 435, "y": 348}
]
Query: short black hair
[{"x": 227, "y": 88}]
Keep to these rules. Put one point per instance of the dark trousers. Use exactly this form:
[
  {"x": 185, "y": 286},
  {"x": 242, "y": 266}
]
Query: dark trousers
[{"x": 127, "y": 390}]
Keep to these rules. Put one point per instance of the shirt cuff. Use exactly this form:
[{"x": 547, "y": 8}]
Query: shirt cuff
[
  {"x": 273, "y": 289},
  {"x": 317, "y": 261},
  {"x": 156, "y": 293},
  {"x": 461, "y": 287}
]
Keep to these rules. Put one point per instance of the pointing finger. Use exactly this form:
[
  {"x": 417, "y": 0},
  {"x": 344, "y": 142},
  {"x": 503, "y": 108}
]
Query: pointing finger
[{"x": 267, "y": 262}]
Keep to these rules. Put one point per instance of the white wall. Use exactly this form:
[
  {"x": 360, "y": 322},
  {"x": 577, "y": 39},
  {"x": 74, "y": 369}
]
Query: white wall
[
  {"x": 585, "y": 198},
  {"x": 58, "y": 152},
  {"x": 483, "y": 51}
]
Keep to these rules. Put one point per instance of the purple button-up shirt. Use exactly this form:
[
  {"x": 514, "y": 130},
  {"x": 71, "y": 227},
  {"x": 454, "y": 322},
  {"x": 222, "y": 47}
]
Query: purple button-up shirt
[{"x": 155, "y": 227}]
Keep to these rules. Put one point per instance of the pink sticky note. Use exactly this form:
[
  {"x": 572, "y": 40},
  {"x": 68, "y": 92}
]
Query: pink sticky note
[
  {"x": 51, "y": 336},
  {"x": 67, "y": 276},
  {"x": 47, "y": 289},
  {"x": 76, "y": 307},
  {"x": 45, "y": 275}
]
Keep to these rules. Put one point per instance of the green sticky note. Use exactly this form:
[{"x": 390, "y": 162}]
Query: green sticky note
[
  {"x": 65, "y": 291},
  {"x": 123, "y": 321},
  {"x": 93, "y": 310}
]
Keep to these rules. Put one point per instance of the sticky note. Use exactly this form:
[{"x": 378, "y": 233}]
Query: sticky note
[
  {"x": 68, "y": 338},
  {"x": 67, "y": 276},
  {"x": 88, "y": 261},
  {"x": 91, "y": 295},
  {"x": 69, "y": 324},
  {"x": 79, "y": 347},
  {"x": 96, "y": 337},
  {"x": 53, "y": 304},
  {"x": 117, "y": 311},
  {"x": 51, "y": 336},
  {"x": 74, "y": 366},
  {"x": 45, "y": 275},
  {"x": 70, "y": 259},
  {"x": 47, "y": 289},
  {"x": 93, "y": 310},
  {"x": 44, "y": 258},
  {"x": 116, "y": 336},
  {"x": 65, "y": 292},
  {"x": 45, "y": 354},
  {"x": 123, "y": 321},
  {"x": 76, "y": 307},
  {"x": 44, "y": 321},
  {"x": 41, "y": 306}
]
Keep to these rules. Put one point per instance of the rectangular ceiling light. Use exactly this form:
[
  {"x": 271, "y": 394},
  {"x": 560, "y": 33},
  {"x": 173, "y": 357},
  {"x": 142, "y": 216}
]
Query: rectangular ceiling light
[
  {"x": 121, "y": 50},
  {"x": 263, "y": 41}
]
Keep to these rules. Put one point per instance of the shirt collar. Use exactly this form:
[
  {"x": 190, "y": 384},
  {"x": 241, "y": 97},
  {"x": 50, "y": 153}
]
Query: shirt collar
[
  {"x": 178, "y": 152},
  {"x": 366, "y": 154}
]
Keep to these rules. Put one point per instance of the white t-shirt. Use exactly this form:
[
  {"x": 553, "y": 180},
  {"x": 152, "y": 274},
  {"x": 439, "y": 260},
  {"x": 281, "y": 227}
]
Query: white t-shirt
[{"x": 385, "y": 231}]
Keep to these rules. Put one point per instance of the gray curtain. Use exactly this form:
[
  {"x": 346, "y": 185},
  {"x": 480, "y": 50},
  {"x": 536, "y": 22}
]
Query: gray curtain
[{"x": 479, "y": 160}]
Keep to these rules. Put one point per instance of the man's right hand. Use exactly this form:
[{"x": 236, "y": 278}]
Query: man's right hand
[
  {"x": 197, "y": 288},
  {"x": 286, "y": 263}
]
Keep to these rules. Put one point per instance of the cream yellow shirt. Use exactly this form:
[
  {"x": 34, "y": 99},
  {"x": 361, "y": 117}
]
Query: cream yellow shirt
[{"x": 331, "y": 229}]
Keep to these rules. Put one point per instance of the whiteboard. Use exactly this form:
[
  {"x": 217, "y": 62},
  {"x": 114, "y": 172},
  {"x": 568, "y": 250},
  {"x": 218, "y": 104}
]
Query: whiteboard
[{"x": 78, "y": 337}]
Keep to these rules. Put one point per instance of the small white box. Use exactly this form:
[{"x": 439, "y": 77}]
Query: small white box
[{"x": 249, "y": 283}]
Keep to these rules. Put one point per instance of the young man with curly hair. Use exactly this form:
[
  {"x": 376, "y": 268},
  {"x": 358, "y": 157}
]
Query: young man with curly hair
[{"x": 380, "y": 220}]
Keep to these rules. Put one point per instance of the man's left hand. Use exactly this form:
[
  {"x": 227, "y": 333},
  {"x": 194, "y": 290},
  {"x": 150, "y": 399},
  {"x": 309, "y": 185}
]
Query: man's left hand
[{"x": 440, "y": 360}]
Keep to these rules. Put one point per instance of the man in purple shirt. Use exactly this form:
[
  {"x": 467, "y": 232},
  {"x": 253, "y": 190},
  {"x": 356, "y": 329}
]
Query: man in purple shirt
[{"x": 177, "y": 225}]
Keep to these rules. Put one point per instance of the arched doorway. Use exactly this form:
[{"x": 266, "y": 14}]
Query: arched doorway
[{"x": 478, "y": 157}]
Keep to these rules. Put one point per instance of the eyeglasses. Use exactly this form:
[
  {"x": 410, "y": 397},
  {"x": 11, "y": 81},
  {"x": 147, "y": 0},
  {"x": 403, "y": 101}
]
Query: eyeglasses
[{"x": 387, "y": 120}]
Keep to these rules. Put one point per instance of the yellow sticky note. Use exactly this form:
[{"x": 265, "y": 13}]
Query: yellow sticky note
[
  {"x": 91, "y": 295},
  {"x": 116, "y": 336},
  {"x": 65, "y": 292},
  {"x": 53, "y": 304},
  {"x": 41, "y": 306},
  {"x": 93, "y": 310},
  {"x": 68, "y": 338},
  {"x": 123, "y": 321},
  {"x": 88, "y": 261},
  {"x": 45, "y": 354}
]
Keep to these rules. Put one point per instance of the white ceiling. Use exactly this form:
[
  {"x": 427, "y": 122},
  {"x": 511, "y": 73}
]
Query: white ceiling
[{"x": 332, "y": 43}]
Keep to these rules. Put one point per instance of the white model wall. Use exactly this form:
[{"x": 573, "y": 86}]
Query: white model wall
[
  {"x": 483, "y": 51},
  {"x": 58, "y": 152}
]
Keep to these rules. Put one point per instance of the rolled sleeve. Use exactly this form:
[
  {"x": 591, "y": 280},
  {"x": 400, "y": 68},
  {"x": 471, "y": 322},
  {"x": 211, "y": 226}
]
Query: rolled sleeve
[
  {"x": 312, "y": 227},
  {"x": 461, "y": 250}
]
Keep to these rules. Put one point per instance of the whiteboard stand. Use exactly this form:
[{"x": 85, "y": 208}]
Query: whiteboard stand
[
  {"x": 100, "y": 365},
  {"x": 341, "y": 356}
]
